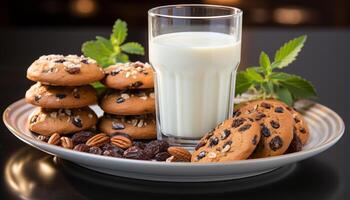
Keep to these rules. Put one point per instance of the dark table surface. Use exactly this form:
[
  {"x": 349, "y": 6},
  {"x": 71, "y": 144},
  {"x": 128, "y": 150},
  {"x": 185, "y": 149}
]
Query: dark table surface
[{"x": 27, "y": 173}]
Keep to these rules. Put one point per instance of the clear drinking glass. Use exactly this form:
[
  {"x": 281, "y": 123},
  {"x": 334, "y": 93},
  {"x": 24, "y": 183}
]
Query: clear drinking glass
[{"x": 195, "y": 50}]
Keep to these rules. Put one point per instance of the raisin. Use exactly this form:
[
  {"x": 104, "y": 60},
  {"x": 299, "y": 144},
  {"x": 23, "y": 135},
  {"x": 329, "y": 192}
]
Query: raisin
[
  {"x": 201, "y": 155},
  {"x": 237, "y": 122},
  {"x": 302, "y": 130},
  {"x": 60, "y": 96},
  {"x": 82, "y": 148},
  {"x": 95, "y": 150},
  {"x": 111, "y": 147},
  {"x": 33, "y": 119},
  {"x": 274, "y": 124},
  {"x": 82, "y": 137},
  {"x": 137, "y": 84},
  {"x": 255, "y": 139},
  {"x": 135, "y": 152},
  {"x": 276, "y": 143},
  {"x": 225, "y": 134},
  {"x": 200, "y": 144},
  {"x": 85, "y": 61},
  {"x": 156, "y": 146},
  {"x": 259, "y": 116},
  {"x": 120, "y": 100},
  {"x": 265, "y": 105},
  {"x": 244, "y": 128},
  {"x": 112, "y": 153},
  {"x": 72, "y": 70},
  {"x": 43, "y": 138},
  {"x": 213, "y": 141},
  {"x": 60, "y": 61},
  {"x": 265, "y": 131},
  {"x": 37, "y": 98},
  {"x": 162, "y": 156},
  {"x": 77, "y": 122},
  {"x": 140, "y": 144},
  {"x": 279, "y": 110},
  {"x": 117, "y": 126}
]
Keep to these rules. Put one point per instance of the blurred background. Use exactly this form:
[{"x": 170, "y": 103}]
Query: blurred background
[{"x": 290, "y": 13}]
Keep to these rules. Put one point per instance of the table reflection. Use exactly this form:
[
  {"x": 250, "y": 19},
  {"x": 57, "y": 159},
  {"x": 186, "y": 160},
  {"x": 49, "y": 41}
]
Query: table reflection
[{"x": 31, "y": 174}]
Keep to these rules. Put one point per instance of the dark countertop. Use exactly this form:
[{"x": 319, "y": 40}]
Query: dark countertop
[{"x": 30, "y": 174}]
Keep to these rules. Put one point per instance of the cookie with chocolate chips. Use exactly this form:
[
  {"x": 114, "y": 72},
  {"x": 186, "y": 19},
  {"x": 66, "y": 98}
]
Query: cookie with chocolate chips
[
  {"x": 63, "y": 121},
  {"x": 61, "y": 97},
  {"x": 276, "y": 126},
  {"x": 301, "y": 127},
  {"x": 137, "y": 126},
  {"x": 234, "y": 139},
  {"x": 62, "y": 70},
  {"x": 128, "y": 102},
  {"x": 133, "y": 75}
]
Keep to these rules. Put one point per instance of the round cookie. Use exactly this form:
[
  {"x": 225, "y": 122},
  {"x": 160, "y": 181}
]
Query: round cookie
[
  {"x": 135, "y": 75},
  {"x": 128, "y": 102},
  {"x": 63, "y": 121},
  {"x": 138, "y": 126},
  {"x": 234, "y": 139},
  {"x": 62, "y": 70},
  {"x": 276, "y": 126},
  {"x": 47, "y": 96}
]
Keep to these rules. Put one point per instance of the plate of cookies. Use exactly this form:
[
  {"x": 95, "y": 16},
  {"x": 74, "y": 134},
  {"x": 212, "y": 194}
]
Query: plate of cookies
[{"x": 114, "y": 131}]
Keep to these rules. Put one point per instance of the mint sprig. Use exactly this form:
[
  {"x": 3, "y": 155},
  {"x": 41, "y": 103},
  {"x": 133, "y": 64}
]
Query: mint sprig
[
  {"x": 267, "y": 83},
  {"x": 110, "y": 51}
]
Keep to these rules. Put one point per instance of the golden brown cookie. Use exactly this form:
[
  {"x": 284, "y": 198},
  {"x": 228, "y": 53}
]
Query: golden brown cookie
[
  {"x": 276, "y": 124},
  {"x": 63, "y": 121},
  {"x": 128, "y": 102},
  {"x": 61, "y": 97},
  {"x": 62, "y": 70},
  {"x": 138, "y": 127},
  {"x": 234, "y": 139},
  {"x": 135, "y": 75}
]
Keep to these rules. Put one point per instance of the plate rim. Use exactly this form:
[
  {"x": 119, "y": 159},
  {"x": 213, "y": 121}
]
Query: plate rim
[{"x": 37, "y": 144}]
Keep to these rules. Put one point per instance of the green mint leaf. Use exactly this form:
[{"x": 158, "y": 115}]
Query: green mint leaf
[
  {"x": 299, "y": 87},
  {"x": 264, "y": 62},
  {"x": 257, "y": 69},
  {"x": 99, "y": 50},
  {"x": 267, "y": 87},
  {"x": 284, "y": 95},
  {"x": 122, "y": 57},
  {"x": 289, "y": 51},
  {"x": 242, "y": 83},
  {"x": 133, "y": 48},
  {"x": 279, "y": 76},
  {"x": 253, "y": 76},
  {"x": 119, "y": 32}
]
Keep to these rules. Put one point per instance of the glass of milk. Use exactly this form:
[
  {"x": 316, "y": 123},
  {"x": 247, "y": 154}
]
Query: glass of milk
[{"x": 195, "y": 50}]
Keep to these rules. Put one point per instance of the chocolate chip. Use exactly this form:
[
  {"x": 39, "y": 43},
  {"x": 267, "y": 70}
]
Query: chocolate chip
[
  {"x": 137, "y": 84},
  {"x": 200, "y": 144},
  {"x": 33, "y": 119},
  {"x": 279, "y": 110},
  {"x": 213, "y": 141},
  {"x": 250, "y": 119},
  {"x": 227, "y": 143},
  {"x": 117, "y": 126},
  {"x": 296, "y": 120},
  {"x": 276, "y": 143},
  {"x": 85, "y": 61},
  {"x": 120, "y": 100},
  {"x": 259, "y": 116},
  {"x": 77, "y": 122},
  {"x": 225, "y": 134},
  {"x": 274, "y": 124},
  {"x": 72, "y": 70},
  {"x": 302, "y": 130},
  {"x": 60, "y": 61},
  {"x": 115, "y": 72},
  {"x": 264, "y": 131},
  {"x": 60, "y": 96},
  {"x": 255, "y": 139},
  {"x": 237, "y": 122},
  {"x": 37, "y": 98},
  {"x": 237, "y": 113},
  {"x": 265, "y": 105},
  {"x": 211, "y": 133},
  {"x": 145, "y": 73},
  {"x": 76, "y": 95},
  {"x": 244, "y": 127},
  {"x": 201, "y": 155}
]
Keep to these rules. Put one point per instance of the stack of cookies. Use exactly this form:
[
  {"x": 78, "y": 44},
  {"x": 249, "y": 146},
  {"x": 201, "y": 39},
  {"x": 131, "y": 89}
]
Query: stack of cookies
[
  {"x": 62, "y": 94},
  {"x": 129, "y": 103}
]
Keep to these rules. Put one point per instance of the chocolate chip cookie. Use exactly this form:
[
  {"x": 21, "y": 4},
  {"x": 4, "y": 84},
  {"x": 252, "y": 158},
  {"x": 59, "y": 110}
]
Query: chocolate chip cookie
[
  {"x": 276, "y": 126},
  {"x": 47, "y": 96},
  {"x": 128, "y": 102},
  {"x": 62, "y": 70},
  {"x": 234, "y": 139},
  {"x": 136, "y": 75},
  {"x": 137, "y": 126},
  {"x": 62, "y": 121}
]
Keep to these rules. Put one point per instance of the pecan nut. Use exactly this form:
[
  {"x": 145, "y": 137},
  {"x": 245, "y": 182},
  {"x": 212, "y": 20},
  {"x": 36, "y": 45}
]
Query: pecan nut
[
  {"x": 121, "y": 141},
  {"x": 180, "y": 154},
  {"x": 98, "y": 140},
  {"x": 54, "y": 139},
  {"x": 66, "y": 143}
]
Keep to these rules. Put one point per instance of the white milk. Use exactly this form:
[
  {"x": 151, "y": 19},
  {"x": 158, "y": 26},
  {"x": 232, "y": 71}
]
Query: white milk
[{"x": 194, "y": 73}]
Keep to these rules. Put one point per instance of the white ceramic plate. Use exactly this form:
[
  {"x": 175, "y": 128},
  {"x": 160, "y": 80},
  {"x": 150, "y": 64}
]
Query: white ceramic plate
[{"x": 326, "y": 128}]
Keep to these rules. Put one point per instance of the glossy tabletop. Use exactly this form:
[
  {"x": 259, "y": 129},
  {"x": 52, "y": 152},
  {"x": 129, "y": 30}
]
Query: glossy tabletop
[{"x": 26, "y": 173}]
